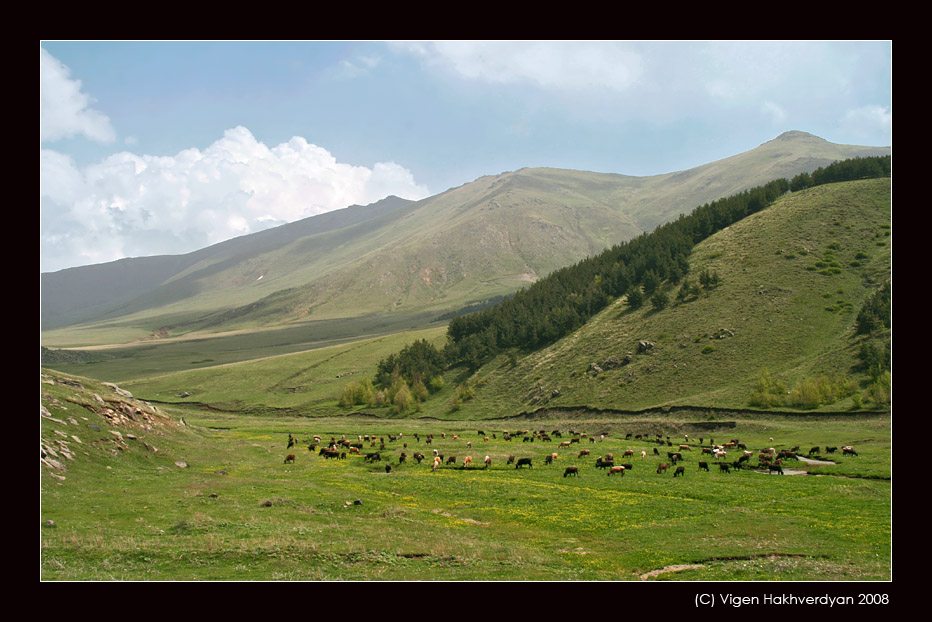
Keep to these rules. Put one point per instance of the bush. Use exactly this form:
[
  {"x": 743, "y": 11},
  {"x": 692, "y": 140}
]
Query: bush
[
  {"x": 357, "y": 393},
  {"x": 767, "y": 393},
  {"x": 814, "y": 392}
]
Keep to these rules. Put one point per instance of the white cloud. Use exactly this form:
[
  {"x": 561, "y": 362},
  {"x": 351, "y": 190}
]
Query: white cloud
[
  {"x": 131, "y": 205},
  {"x": 565, "y": 64},
  {"x": 868, "y": 121},
  {"x": 63, "y": 108},
  {"x": 776, "y": 113}
]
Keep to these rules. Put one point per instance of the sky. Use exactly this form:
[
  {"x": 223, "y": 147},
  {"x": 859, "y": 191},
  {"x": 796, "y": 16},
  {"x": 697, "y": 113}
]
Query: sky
[{"x": 165, "y": 147}]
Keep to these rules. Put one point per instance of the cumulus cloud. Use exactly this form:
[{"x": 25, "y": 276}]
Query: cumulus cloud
[
  {"x": 130, "y": 205},
  {"x": 63, "y": 108}
]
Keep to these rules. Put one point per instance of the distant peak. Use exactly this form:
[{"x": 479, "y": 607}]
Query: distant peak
[{"x": 796, "y": 134}]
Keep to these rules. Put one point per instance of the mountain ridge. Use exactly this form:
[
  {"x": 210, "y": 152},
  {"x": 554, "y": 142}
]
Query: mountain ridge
[{"x": 469, "y": 243}]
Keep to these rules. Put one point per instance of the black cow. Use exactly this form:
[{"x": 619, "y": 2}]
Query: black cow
[
  {"x": 724, "y": 468},
  {"x": 703, "y": 466},
  {"x": 601, "y": 464},
  {"x": 571, "y": 470},
  {"x": 523, "y": 461},
  {"x": 680, "y": 470}
]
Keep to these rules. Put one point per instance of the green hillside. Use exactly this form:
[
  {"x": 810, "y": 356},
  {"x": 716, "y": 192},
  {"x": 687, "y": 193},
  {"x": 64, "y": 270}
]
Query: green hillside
[
  {"x": 484, "y": 239},
  {"x": 776, "y": 309},
  {"x": 793, "y": 278}
]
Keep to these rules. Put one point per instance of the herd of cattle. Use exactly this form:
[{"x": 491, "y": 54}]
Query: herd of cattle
[{"x": 768, "y": 459}]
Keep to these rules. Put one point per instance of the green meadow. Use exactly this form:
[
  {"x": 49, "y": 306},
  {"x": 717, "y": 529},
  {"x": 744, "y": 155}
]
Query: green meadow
[{"x": 214, "y": 499}]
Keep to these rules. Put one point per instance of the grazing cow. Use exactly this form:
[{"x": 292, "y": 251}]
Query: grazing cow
[
  {"x": 656, "y": 453},
  {"x": 643, "y": 455},
  {"x": 467, "y": 462},
  {"x": 511, "y": 460},
  {"x": 848, "y": 451},
  {"x": 451, "y": 460},
  {"x": 724, "y": 468},
  {"x": 685, "y": 448},
  {"x": 548, "y": 459},
  {"x": 814, "y": 450},
  {"x": 571, "y": 470},
  {"x": 289, "y": 458},
  {"x": 601, "y": 464},
  {"x": 628, "y": 452},
  {"x": 565, "y": 444},
  {"x": 488, "y": 461},
  {"x": 775, "y": 467},
  {"x": 680, "y": 470},
  {"x": 662, "y": 467},
  {"x": 628, "y": 467},
  {"x": 402, "y": 458},
  {"x": 374, "y": 457},
  {"x": 522, "y": 462},
  {"x": 436, "y": 463},
  {"x": 584, "y": 452},
  {"x": 388, "y": 468},
  {"x": 291, "y": 441},
  {"x": 703, "y": 466},
  {"x": 328, "y": 453},
  {"x": 830, "y": 450},
  {"x": 616, "y": 469},
  {"x": 418, "y": 456}
]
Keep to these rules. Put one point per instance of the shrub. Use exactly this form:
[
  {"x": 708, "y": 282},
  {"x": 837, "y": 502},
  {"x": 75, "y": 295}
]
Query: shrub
[{"x": 767, "y": 392}]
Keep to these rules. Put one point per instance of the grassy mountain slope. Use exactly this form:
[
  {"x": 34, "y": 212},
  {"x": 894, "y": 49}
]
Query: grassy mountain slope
[
  {"x": 482, "y": 239},
  {"x": 774, "y": 310},
  {"x": 129, "y": 285},
  {"x": 778, "y": 307}
]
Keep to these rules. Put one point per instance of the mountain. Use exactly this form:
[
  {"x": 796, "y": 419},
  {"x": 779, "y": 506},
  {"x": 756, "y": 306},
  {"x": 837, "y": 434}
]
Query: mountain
[{"x": 471, "y": 243}]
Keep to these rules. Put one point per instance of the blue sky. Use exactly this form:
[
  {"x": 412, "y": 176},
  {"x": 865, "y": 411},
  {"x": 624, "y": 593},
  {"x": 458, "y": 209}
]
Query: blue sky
[{"x": 166, "y": 147}]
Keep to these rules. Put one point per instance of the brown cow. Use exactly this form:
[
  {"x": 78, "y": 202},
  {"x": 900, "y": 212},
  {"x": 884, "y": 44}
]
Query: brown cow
[
  {"x": 680, "y": 470},
  {"x": 571, "y": 470},
  {"x": 616, "y": 469},
  {"x": 662, "y": 467},
  {"x": 289, "y": 458}
]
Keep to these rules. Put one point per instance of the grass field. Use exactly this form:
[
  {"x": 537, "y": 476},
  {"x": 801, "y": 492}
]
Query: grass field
[{"x": 214, "y": 500}]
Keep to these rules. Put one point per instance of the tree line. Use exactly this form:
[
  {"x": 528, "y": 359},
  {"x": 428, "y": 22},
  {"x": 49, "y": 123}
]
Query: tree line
[{"x": 558, "y": 304}]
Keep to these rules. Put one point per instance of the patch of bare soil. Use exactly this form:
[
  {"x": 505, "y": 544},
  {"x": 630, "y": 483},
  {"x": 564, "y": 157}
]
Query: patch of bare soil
[{"x": 676, "y": 568}]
